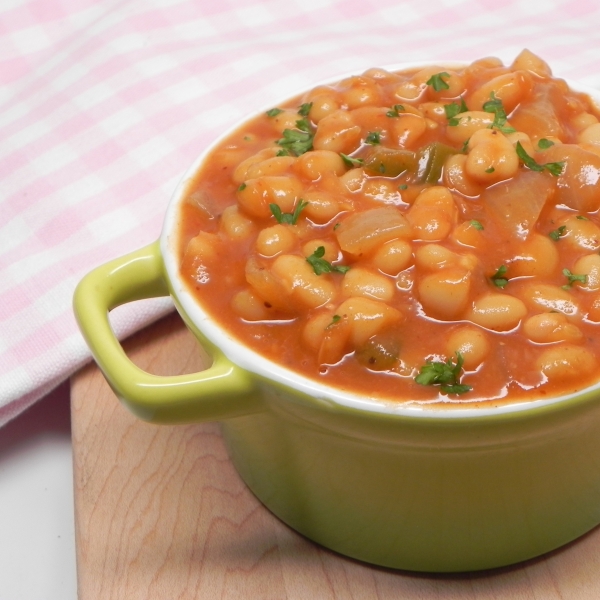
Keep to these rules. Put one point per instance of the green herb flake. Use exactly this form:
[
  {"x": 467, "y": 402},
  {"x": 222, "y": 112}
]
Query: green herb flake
[
  {"x": 476, "y": 225},
  {"x": 395, "y": 111},
  {"x": 454, "y": 109},
  {"x": 321, "y": 266},
  {"x": 498, "y": 278},
  {"x": 350, "y": 161},
  {"x": 437, "y": 82},
  {"x": 334, "y": 320},
  {"x": 445, "y": 374},
  {"x": 304, "y": 125},
  {"x": 572, "y": 278},
  {"x": 288, "y": 218},
  {"x": 242, "y": 187},
  {"x": 373, "y": 138},
  {"x": 495, "y": 106},
  {"x": 273, "y": 112},
  {"x": 465, "y": 146},
  {"x": 582, "y": 218},
  {"x": 490, "y": 170},
  {"x": 544, "y": 143},
  {"x": 305, "y": 109},
  {"x": 555, "y": 168},
  {"x": 558, "y": 233},
  {"x": 403, "y": 186},
  {"x": 296, "y": 142}
]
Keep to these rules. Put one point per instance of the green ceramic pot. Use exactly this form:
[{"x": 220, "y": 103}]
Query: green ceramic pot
[{"x": 410, "y": 488}]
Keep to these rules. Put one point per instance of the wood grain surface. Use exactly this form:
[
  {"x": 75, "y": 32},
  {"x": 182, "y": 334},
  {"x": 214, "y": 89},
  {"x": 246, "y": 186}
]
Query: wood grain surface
[{"x": 162, "y": 514}]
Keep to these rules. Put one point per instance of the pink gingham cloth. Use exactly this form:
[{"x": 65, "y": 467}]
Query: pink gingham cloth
[{"x": 105, "y": 103}]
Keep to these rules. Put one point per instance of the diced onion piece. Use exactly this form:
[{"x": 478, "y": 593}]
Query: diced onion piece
[
  {"x": 539, "y": 117},
  {"x": 531, "y": 62},
  {"x": 360, "y": 233},
  {"x": 578, "y": 186},
  {"x": 517, "y": 203}
]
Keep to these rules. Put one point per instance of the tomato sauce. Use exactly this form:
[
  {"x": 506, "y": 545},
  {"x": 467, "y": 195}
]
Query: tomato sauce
[{"x": 425, "y": 236}]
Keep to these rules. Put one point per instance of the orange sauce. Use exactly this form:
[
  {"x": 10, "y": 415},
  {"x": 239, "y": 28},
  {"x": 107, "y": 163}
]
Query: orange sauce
[{"x": 481, "y": 239}]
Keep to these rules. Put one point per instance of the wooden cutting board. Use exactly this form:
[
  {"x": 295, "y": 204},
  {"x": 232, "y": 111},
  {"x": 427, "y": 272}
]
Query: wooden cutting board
[{"x": 161, "y": 514}]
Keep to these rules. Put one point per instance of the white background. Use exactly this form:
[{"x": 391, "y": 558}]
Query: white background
[{"x": 37, "y": 533}]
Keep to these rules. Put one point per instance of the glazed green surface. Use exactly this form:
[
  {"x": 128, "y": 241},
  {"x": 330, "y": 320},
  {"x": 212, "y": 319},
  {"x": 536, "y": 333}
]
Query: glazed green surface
[
  {"x": 222, "y": 391},
  {"x": 431, "y": 497},
  {"x": 419, "y": 493}
]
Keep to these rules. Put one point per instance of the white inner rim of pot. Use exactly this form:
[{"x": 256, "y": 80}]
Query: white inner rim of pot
[{"x": 253, "y": 362}]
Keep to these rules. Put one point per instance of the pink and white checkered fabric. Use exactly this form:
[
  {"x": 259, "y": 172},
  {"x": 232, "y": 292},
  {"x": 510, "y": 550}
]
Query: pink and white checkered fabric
[{"x": 104, "y": 104}]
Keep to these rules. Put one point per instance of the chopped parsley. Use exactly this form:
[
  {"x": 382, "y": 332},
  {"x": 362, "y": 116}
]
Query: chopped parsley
[
  {"x": 395, "y": 111},
  {"x": 335, "y": 319},
  {"x": 454, "y": 109},
  {"x": 490, "y": 170},
  {"x": 288, "y": 218},
  {"x": 373, "y": 138},
  {"x": 320, "y": 265},
  {"x": 437, "y": 82},
  {"x": 572, "y": 278},
  {"x": 555, "y": 168},
  {"x": 558, "y": 233},
  {"x": 544, "y": 143},
  {"x": 403, "y": 186},
  {"x": 465, "y": 146},
  {"x": 476, "y": 225},
  {"x": 296, "y": 142},
  {"x": 445, "y": 374},
  {"x": 242, "y": 187},
  {"x": 349, "y": 161},
  {"x": 303, "y": 125},
  {"x": 582, "y": 218},
  {"x": 495, "y": 106},
  {"x": 498, "y": 278},
  {"x": 273, "y": 112},
  {"x": 300, "y": 140},
  {"x": 305, "y": 109}
]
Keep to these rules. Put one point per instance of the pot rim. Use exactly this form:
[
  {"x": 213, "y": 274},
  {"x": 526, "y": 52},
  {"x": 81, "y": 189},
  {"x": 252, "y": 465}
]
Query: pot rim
[{"x": 253, "y": 362}]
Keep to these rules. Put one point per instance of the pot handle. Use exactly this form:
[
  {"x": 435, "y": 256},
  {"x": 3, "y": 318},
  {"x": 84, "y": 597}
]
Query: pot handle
[{"x": 222, "y": 391}]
